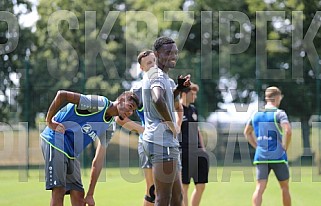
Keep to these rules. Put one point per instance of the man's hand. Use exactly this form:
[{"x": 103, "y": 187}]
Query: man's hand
[
  {"x": 174, "y": 128},
  {"x": 183, "y": 82},
  {"x": 89, "y": 200}
]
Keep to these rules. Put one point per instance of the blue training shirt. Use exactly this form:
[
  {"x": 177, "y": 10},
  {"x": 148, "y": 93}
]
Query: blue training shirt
[
  {"x": 269, "y": 135},
  {"x": 82, "y": 128}
]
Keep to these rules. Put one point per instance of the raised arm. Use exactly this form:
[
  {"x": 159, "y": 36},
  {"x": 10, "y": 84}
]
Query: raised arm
[
  {"x": 183, "y": 82},
  {"x": 62, "y": 98},
  {"x": 129, "y": 125}
]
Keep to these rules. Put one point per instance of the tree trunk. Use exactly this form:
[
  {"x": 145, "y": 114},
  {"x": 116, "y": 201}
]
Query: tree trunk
[{"x": 305, "y": 128}]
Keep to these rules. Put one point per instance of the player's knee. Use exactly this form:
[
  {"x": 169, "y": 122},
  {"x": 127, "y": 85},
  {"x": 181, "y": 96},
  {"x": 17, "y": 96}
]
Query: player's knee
[
  {"x": 200, "y": 188},
  {"x": 260, "y": 188},
  {"x": 151, "y": 195},
  {"x": 177, "y": 199},
  {"x": 58, "y": 192},
  {"x": 285, "y": 187}
]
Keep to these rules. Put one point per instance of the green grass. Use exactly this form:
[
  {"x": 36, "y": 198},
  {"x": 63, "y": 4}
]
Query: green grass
[{"x": 126, "y": 187}]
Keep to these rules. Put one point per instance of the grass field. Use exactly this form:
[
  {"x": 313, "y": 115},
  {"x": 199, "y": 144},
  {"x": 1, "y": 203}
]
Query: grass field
[{"x": 126, "y": 187}]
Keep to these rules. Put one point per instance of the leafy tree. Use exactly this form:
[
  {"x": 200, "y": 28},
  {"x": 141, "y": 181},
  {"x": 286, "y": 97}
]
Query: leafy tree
[
  {"x": 67, "y": 54},
  {"x": 184, "y": 22},
  {"x": 84, "y": 46},
  {"x": 15, "y": 45},
  {"x": 297, "y": 79}
]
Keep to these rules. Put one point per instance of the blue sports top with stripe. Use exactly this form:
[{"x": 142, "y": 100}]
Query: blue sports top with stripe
[
  {"x": 84, "y": 123},
  {"x": 269, "y": 135}
]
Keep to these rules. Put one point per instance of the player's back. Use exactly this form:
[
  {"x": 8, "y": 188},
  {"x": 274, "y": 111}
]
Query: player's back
[{"x": 269, "y": 136}]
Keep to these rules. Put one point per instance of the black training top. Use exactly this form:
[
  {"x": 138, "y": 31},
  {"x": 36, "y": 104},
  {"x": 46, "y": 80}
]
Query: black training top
[{"x": 189, "y": 130}]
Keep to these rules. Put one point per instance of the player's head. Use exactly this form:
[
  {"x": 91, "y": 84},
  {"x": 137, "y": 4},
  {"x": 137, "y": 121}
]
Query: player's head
[
  {"x": 146, "y": 60},
  {"x": 190, "y": 93},
  {"x": 166, "y": 52},
  {"x": 128, "y": 102},
  {"x": 273, "y": 95}
]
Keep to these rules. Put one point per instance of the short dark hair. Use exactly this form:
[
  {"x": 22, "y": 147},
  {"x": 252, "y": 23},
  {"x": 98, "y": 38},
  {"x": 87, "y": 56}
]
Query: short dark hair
[
  {"x": 160, "y": 41},
  {"x": 193, "y": 87},
  {"x": 131, "y": 96},
  {"x": 143, "y": 54}
]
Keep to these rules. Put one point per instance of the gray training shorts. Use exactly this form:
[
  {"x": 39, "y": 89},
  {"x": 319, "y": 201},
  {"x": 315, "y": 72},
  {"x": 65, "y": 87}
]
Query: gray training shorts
[
  {"x": 157, "y": 153},
  {"x": 144, "y": 161},
  {"x": 281, "y": 171},
  {"x": 60, "y": 171}
]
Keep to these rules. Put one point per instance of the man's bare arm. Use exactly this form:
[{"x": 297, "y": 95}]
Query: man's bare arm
[
  {"x": 161, "y": 106},
  {"x": 97, "y": 165},
  {"x": 249, "y": 135},
  {"x": 130, "y": 125},
  {"x": 62, "y": 99},
  {"x": 287, "y": 135}
]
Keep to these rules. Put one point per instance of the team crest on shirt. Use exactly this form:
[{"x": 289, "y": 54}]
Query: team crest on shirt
[
  {"x": 87, "y": 129},
  {"x": 194, "y": 116}
]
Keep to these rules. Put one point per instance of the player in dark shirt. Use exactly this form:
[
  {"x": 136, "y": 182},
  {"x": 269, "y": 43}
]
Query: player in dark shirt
[{"x": 194, "y": 157}]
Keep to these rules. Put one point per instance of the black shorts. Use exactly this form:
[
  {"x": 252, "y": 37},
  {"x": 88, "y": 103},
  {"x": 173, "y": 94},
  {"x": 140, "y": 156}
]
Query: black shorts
[
  {"x": 195, "y": 165},
  {"x": 281, "y": 171}
]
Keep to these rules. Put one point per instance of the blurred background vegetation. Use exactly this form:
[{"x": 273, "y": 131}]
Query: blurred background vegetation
[{"x": 91, "y": 46}]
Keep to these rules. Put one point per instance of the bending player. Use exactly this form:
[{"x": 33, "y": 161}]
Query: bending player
[{"x": 74, "y": 121}]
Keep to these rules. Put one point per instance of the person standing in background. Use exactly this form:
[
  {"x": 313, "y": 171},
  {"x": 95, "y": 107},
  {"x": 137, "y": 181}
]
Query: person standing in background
[
  {"x": 195, "y": 163},
  {"x": 269, "y": 132},
  {"x": 160, "y": 141},
  {"x": 146, "y": 60}
]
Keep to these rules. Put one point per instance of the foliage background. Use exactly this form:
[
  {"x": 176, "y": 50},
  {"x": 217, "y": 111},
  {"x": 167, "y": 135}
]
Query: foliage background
[{"x": 91, "y": 47}]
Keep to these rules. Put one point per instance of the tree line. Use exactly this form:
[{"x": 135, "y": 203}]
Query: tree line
[{"x": 91, "y": 47}]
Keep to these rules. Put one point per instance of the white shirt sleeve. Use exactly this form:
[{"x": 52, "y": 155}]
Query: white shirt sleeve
[
  {"x": 92, "y": 103},
  {"x": 137, "y": 89},
  {"x": 156, "y": 78}
]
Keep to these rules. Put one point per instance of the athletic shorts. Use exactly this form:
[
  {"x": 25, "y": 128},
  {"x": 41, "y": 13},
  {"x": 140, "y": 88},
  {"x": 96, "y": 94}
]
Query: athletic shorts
[
  {"x": 144, "y": 161},
  {"x": 60, "y": 171},
  {"x": 281, "y": 171},
  {"x": 157, "y": 153},
  {"x": 195, "y": 165}
]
